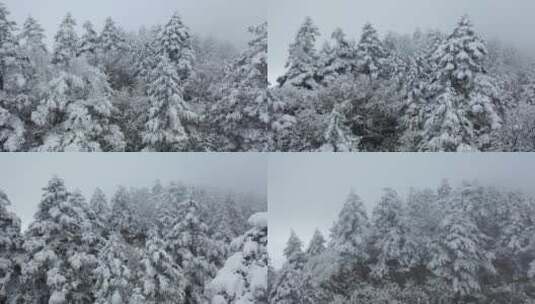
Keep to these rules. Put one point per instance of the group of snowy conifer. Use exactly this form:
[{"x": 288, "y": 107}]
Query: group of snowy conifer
[
  {"x": 470, "y": 244},
  {"x": 169, "y": 244},
  {"x": 422, "y": 92},
  {"x": 160, "y": 89}
]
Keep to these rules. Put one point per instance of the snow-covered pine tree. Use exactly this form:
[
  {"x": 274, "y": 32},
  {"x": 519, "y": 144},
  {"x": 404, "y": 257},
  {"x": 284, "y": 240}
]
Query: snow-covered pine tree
[
  {"x": 111, "y": 39},
  {"x": 10, "y": 248},
  {"x": 123, "y": 218},
  {"x": 370, "y": 53},
  {"x": 458, "y": 254},
  {"x": 190, "y": 246},
  {"x": 12, "y": 129},
  {"x": 337, "y": 60},
  {"x": 243, "y": 278},
  {"x": 162, "y": 279},
  {"x": 350, "y": 232},
  {"x": 394, "y": 253},
  {"x": 242, "y": 112},
  {"x": 294, "y": 249},
  {"x": 287, "y": 288},
  {"x": 66, "y": 42},
  {"x": 99, "y": 205},
  {"x": 75, "y": 112},
  {"x": 302, "y": 58},
  {"x": 174, "y": 42},
  {"x": 32, "y": 35},
  {"x": 60, "y": 248},
  {"x": 10, "y": 60},
  {"x": 113, "y": 276},
  {"x": 89, "y": 43},
  {"x": 338, "y": 136},
  {"x": 465, "y": 110},
  {"x": 169, "y": 113},
  {"x": 316, "y": 245}
]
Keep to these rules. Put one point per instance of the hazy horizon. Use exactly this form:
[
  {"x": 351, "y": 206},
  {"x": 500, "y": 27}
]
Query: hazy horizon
[
  {"x": 28, "y": 173},
  {"x": 226, "y": 21}
]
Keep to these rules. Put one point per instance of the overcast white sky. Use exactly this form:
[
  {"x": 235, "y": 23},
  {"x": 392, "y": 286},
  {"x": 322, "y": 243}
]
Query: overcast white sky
[
  {"x": 23, "y": 175},
  {"x": 227, "y": 20},
  {"x": 512, "y": 20},
  {"x": 307, "y": 191}
]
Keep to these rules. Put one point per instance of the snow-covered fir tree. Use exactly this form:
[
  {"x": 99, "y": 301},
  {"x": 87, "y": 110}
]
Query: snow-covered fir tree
[
  {"x": 243, "y": 278},
  {"x": 351, "y": 230},
  {"x": 174, "y": 41},
  {"x": 65, "y": 42},
  {"x": 32, "y": 35},
  {"x": 338, "y": 60},
  {"x": 10, "y": 249},
  {"x": 169, "y": 113},
  {"x": 302, "y": 59},
  {"x": 89, "y": 43},
  {"x": 111, "y": 38},
  {"x": 242, "y": 112},
  {"x": 370, "y": 53},
  {"x": 317, "y": 244}
]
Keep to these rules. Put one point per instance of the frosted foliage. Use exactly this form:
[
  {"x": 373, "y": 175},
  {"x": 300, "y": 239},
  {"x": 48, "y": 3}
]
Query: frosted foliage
[
  {"x": 243, "y": 111},
  {"x": 302, "y": 58},
  {"x": 338, "y": 136},
  {"x": 10, "y": 242},
  {"x": 317, "y": 244},
  {"x": 243, "y": 278},
  {"x": 66, "y": 42},
  {"x": 371, "y": 55},
  {"x": 111, "y": 39},
  {"x": 32, "y": 35},
  {"x": 89, "y": 40},
  {"x": 163, "y": 281},
  {"x": 458, "y": 254},
  {"x": 165, "y": 129},
  {"x": 174, "y": 41},
  {"x": 81, "y": 96},
  {"x": 338, "y": 59},
  {"x": 350, "y": 231},
  {"x": 12, "y": 131},
  {"x": 294, "y": 247},
  {"x": 59, "y": 245}
]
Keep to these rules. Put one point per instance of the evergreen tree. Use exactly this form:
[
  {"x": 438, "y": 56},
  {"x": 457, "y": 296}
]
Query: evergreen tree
[
  {"x": 174, "y": 42},
  {"x": 338, "y": 60},
  {"x": 165, "y": 129},
  {"x": 163, "y": 281},
  {"x": 113, "y": 275},
  {"x": 99, "y": 205},
  {"x": 394, "y": 252},
  {"x": 465, "y": 109},
  {"x": 350, "y": 232},
  {"x": 371, "y": 54},
  {"x": 338, "y": 136},
  {"x": 243, "y": 278},
  {"x": 12, "y": 131},
  {"x": 458, "y": 254},
  {"x": 242, "y": 112},
  {"x": 294, "y": 249},
  {"x": 32, "y": 35},
  {"x": 89, "y": 43},
  {"x": 8, "y": 48},
  {"x": 190, "y": 246},
  {"x": 316, "y": 245},
  {"x": 302, "y": 58},
  {"x": 111, "y": 39},
  {"x": 10, "y": 248},
  {"x": 66, "y": 42},
  {"x": 61, "y": 248}
]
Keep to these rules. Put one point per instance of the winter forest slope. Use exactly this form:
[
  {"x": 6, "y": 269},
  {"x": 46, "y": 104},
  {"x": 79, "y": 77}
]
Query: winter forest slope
[
  {"x": 159, "y": 245},
  {"x": 429, "y": 91},
  {"x": 470, "y": 244}
]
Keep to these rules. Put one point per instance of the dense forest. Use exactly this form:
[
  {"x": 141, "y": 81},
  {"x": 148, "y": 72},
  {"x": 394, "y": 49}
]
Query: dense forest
[
  {"x": 168, "y": 244},
  {"x": 470, "y": 244},
  {"x": 159, "y": 89},
  {"x": 426, "y": 91}
]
